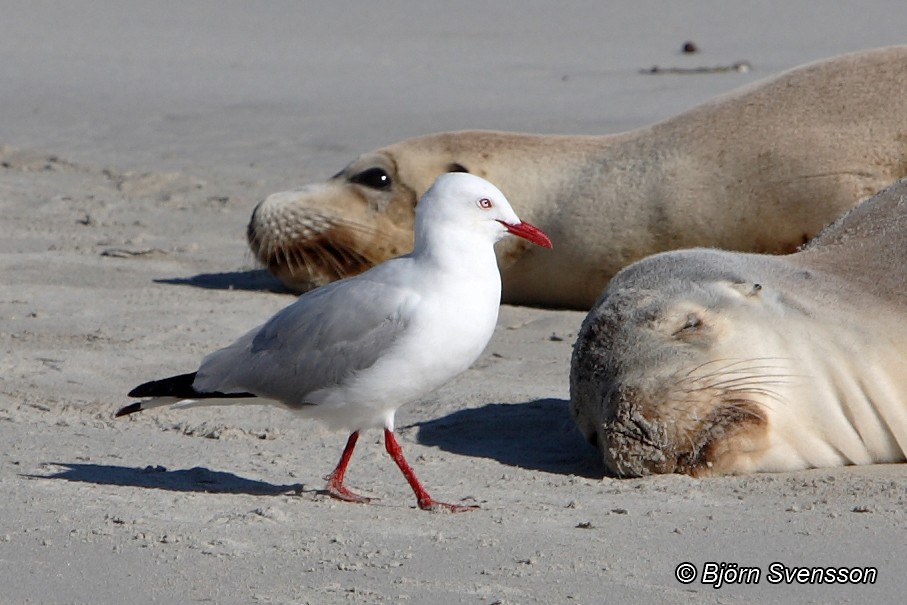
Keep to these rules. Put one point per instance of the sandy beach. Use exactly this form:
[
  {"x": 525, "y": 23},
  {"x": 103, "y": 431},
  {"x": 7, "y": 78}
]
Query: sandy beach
[{"x": 135, "y": 139}]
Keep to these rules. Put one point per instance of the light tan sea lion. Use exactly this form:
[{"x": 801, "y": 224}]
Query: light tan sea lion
[
  {"x": 711, "y": 362},
  {"x": 760, "y": 169}
]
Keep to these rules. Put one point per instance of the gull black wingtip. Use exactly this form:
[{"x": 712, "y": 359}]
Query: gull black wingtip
[
  {"x": 174, "y": 386},
  {"x": 180, "y": 387}
]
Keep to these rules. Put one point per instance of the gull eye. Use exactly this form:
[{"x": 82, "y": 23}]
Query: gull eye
[
  {"x": 485, "y": 203},
  {"x": 375, "y": 178}
]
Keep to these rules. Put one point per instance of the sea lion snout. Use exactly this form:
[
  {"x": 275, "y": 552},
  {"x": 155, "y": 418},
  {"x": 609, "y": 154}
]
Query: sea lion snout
[{"x": 323, "y": 232}]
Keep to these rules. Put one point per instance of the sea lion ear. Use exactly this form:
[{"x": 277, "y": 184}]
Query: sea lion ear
[
  {"x": 456, "y": 167},
  {"x": 748, "y": 288}
]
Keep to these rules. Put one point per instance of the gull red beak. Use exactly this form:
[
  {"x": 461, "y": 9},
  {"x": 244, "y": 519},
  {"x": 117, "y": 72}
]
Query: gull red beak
[{"x": 530, "y": 232}]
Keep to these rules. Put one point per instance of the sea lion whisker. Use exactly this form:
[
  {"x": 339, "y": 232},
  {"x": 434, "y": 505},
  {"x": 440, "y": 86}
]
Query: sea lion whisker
[
  {"x": 741, "y": 365},
  {"x": 736, "y": 368},
  {"x": 334, "y": 254},
  {"x": 345, "y": 245},
  {"x": 758, "y": 382},
  {"x": 349, "y": 255},
  {"x": 329, "y": 260},
  {"x": 730, "y": 363},
  {"x": 369, "y": 232},
  {"x": 360, "y": 228},
  {"x": 291, "y": 257},
  {"x": 312, "y": 226},
  {"x": 763, "y": 392},
  {"x": 738, "y": 382},
  {"x": 734, "y": 362},
  {"x": 253, "y": 237},
  {"x": 752, "y": 385},
  {"x": 352, "y": 254},
  {"x": 264, "y": 249},
  {"x": 300, "y": 259},
  {"x": 284, "y": 256},
  {"x": 764, "y": 379},
  {"x": 741, "y": 403},
  {"x": 741, "y": 372},
  {"x": 314, "y": 256},
  {"x": 353, "y": 257}
]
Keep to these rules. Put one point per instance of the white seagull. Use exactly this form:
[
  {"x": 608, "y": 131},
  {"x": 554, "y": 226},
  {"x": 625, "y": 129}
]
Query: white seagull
[{"x": 351, "y": 352}]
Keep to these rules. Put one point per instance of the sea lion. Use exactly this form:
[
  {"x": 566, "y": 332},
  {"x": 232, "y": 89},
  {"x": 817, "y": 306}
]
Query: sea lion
[
  {"x": 761, "y": 169},
  {"x": 711, "y": 362}
]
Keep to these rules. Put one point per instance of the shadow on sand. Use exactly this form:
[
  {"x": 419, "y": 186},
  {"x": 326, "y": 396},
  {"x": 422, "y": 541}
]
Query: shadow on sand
[
  {"x": 257, "y": 280},
  {"x": 536, "y": 435},
  {"x": 198, "y": 479}
]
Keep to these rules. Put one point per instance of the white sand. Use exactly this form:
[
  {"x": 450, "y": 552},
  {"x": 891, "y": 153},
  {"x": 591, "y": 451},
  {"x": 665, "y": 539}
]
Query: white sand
[{"x": 136, "y": 138}]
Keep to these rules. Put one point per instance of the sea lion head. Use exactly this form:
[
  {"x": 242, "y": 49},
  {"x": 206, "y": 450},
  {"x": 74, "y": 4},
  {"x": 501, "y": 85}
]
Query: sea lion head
[
  {"x": 326, "y": 231},
  {"x": 681, "y": 364},
  {"x": 361, "y": 216}
]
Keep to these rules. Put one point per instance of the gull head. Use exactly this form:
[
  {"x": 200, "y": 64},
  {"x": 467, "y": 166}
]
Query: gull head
[{"x": 463, "y": 201}]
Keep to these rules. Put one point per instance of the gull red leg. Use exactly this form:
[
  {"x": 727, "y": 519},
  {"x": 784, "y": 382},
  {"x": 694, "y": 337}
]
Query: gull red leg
[
  {"x": 335, "y": 487},
  {"x": 424, "y": 500}
]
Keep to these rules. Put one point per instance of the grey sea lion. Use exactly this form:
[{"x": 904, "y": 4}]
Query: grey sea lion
[{"x": 712, "y": 362}]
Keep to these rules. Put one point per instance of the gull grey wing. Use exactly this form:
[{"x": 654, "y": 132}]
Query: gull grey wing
[{"x": 318, "y": 341}]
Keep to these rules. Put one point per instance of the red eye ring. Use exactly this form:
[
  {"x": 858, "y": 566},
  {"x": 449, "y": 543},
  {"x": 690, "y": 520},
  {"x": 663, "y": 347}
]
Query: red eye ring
[{"x": 485, "y": 203}]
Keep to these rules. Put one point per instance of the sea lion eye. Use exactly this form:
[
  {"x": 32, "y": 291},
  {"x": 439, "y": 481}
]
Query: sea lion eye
[
  {"x": 690, "y": 324},
  {"x": 485, "y": 203},
  {"x": 375, "y": 178}
]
